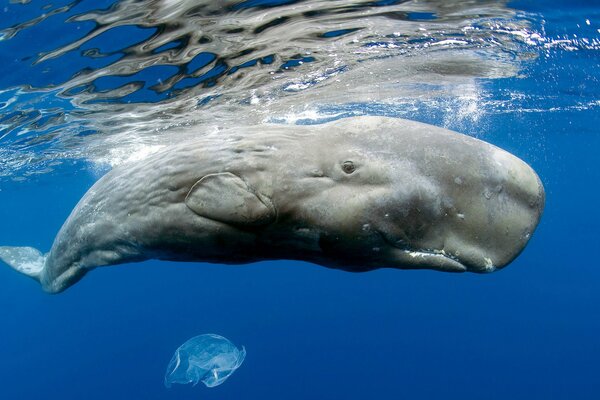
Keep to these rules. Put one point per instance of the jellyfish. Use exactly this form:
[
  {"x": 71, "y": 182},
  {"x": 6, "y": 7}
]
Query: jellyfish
[{"x": 208, "y": 358}]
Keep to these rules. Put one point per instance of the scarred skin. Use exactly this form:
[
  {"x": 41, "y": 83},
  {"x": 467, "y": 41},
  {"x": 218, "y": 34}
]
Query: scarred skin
[{"x": 355, "y": 194}]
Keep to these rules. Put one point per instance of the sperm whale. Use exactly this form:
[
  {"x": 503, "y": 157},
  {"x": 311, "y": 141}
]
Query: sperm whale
[{"x": 355, "y": 194}]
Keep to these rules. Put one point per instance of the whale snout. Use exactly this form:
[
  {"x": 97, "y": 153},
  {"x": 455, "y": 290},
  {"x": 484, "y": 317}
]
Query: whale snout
[
  {"x": 497, "y": 226},
  {"x": 475, "y": 213}
]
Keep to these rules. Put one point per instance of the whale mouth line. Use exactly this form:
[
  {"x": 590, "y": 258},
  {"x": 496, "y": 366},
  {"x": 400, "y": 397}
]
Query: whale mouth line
[
  {"x": 422, "y": 258},
  {"x": 437, "y": 258}
]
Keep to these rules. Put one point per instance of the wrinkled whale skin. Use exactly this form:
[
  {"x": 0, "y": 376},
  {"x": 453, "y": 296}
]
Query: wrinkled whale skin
[{"x": 356, "y": 194}]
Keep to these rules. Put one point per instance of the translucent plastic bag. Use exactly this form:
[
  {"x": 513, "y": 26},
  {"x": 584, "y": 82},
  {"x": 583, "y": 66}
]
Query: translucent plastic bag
[{"x": 208, "y": 358}]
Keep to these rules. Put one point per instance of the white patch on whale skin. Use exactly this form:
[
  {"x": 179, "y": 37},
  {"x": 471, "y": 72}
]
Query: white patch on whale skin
[
  {"x": 489, "y": 265},
  {"x": 423, "y": 254},
  {"x": 414, "y": 254}
]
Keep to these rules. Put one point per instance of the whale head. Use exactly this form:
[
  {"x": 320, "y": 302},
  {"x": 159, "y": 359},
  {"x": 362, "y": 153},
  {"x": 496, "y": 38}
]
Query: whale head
[{"x": 378, "y": 192}]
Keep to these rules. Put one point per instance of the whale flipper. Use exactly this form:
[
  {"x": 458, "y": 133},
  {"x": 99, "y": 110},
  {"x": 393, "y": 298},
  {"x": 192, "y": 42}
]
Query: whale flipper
[
  {"x": 26, "y": 260},
  {"x": 225, "y": 197}
]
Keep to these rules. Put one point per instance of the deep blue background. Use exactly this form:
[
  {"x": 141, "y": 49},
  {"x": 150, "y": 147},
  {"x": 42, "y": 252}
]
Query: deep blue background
[{"x": 531, "y": 331}]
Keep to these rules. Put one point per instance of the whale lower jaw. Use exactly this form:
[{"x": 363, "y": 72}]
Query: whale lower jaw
[
  {"x": 440, "y": 260},
  {"x": 437, "y": 260},
  {"x": 413, "y": 259}
]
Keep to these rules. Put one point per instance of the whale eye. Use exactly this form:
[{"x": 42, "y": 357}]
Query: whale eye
[{"x": 348, "y": 167}]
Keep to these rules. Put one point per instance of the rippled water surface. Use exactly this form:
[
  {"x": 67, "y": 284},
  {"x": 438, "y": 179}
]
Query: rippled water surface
[
  {"x": 103, "y": 80},
  {"x": 86, "y": 85}
]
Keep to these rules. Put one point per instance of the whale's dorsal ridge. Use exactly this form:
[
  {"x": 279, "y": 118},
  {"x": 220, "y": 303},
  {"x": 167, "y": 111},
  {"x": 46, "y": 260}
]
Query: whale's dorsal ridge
[{"x": 225, "y": 197}]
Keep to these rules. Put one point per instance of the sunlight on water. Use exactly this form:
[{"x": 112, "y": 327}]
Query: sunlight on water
[{"x": 103, "y": 84}]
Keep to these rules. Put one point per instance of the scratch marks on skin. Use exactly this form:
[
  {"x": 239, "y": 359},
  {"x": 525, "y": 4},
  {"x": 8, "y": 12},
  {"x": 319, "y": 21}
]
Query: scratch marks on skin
[
  {"x": 429, "y": 253},
  {"x": 489, "y": 266}
]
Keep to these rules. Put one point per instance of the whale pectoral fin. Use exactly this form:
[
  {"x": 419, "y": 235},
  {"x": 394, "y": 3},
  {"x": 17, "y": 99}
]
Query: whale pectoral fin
[
  {"x": 26, "y": 260},
  {"x": 225, "y": 197}
]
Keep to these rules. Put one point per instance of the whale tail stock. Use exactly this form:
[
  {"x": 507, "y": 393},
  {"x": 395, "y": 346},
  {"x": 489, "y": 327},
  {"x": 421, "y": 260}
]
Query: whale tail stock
[{"x": 26, "y": 260}]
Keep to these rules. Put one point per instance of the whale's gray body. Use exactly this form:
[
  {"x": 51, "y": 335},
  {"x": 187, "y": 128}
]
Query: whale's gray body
[{"x": 354, "y": 194}]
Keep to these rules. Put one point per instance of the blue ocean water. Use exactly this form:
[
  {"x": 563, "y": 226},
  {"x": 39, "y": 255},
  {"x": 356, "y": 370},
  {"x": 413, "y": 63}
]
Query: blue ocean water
[{"x": 529, "y": 331}]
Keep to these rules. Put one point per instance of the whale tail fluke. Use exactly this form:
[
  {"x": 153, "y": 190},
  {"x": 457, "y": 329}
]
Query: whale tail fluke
[{"x": 26, "y": 260}]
